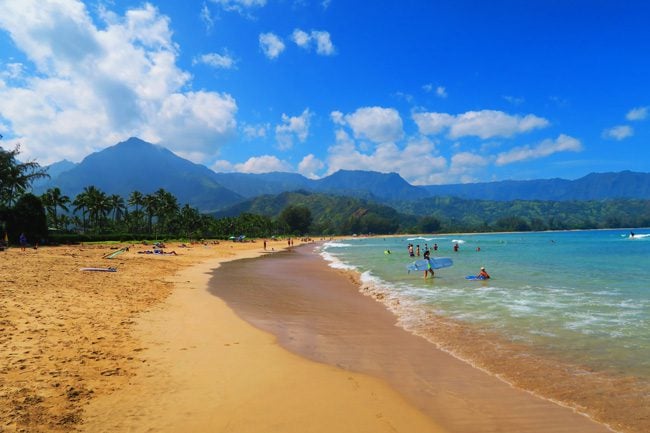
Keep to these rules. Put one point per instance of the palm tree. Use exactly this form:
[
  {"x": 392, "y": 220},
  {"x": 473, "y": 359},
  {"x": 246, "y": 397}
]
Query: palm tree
[
  {"x": 52, "y": 200},
  {"x": 80, "y": 203},
  {"x": 16, "y": 177},
  {"x": 190, "y": 220},
  {"x": 150, "y": 204},
  {"x": 136, "y": 199},
  {"x": 116, "y": 203},
  {"x": 95, "y": 202},
  {"x": 167, "y": 207}
]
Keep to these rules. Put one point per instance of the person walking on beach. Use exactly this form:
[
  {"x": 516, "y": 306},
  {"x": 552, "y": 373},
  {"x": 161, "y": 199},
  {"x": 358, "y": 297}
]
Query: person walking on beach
[{"x": 22, "y": 239}]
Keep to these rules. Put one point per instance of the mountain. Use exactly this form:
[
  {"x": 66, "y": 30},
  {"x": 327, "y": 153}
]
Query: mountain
[
  {"x": 137, "y": 165},
  {"x": 53, "y": 170},
  {"x": 594, "y": 186},
  {"x": 251, "y": 185},
  {"x": 333, "y": 214},
  {"x": 370, "y": 184}
]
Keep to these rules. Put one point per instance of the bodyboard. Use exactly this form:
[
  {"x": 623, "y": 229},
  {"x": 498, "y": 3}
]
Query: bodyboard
[{"x": 436, "y": 263}]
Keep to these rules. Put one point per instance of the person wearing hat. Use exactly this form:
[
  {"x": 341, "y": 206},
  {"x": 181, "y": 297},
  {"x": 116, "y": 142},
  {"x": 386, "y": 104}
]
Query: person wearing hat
[{"x": 483, "y": 275}]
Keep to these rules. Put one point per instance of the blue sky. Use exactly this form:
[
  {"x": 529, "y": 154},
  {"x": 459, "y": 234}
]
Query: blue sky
[{"x": 439, "y": 92}]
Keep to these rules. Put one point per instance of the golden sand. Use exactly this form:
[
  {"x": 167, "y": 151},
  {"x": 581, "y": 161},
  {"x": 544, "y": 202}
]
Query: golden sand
[{"x": 147, "y": 348}]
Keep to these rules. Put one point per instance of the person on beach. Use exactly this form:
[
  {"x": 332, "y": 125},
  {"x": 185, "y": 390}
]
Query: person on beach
[
  {"x": 429, "y": 268},
  {"x": 483, "y": 275},
  {"x": 22, "y": 239},
  {"x": 417, "y": 250}
]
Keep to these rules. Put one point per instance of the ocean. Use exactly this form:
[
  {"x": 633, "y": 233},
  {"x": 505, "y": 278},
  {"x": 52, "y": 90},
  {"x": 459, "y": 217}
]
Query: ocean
[{"x": 565, "y": 315}]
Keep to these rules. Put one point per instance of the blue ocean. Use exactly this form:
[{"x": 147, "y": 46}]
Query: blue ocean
[{"x": 574, "y": 306}]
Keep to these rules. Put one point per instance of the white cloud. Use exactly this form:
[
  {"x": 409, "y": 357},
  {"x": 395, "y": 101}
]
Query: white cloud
[
  {"x": 218, "y": 61},
  {"x": 256, "y": 164},
  {"x": 324, "y": 44},
  {"x": 310, "y": 166},
  {"x": 638, "y": 113},
  {"x": 514, "y": 100},
  {"x": 271, "y": 45},
  {"x": 563, "y": 143},
  {"x": 483, "y": 124},
  {"x": 322, "y": 39},
  {"x": 338, "y": 118},
  {"x": 292, "y": 126},
  {"x": 464, "y": 165},
  {"x": 263, "y": 164},
  {"x": 618, "y": 133},
  {"x": 95, "y": 86},
  {"x": 440, "y": 91},
  {"x": 376, "y": 124},
  {"x": 206, "y": 17},
  {"x": 13, "y": 71},
  {"x": 254, "y": 131},
  {"x": 432, "y": 123},
  {"x": 240, "y": 6},
  {"x": 417, "y": 162},
  {"x": 301, "y": 38}
]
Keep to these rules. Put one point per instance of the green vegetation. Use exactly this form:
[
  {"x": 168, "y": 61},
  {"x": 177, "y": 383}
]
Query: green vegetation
[{"x": 95, "y": 215}]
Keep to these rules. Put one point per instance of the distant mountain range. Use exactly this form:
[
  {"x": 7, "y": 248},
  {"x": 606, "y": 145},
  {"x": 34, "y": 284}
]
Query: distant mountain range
[{"x": 137, "y": 165}]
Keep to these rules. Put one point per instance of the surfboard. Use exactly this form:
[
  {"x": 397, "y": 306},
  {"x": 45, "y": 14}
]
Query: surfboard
[
  {"x": 99, "y": 269},
  {"x": 474, "y": 277},
  {"x": 436, "y": 263}
]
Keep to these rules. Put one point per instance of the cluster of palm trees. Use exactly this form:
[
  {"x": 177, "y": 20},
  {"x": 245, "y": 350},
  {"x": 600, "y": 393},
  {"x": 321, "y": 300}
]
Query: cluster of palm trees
[{"x": 94, "y": 211}]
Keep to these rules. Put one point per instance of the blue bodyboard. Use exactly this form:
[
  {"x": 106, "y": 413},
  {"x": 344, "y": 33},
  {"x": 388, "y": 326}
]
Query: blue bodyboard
[{"x": 436, "y": 263}]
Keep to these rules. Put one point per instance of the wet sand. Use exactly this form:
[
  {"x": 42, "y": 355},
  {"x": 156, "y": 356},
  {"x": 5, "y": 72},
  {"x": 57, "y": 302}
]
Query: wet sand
[
  {"x": 204, "y": 369},
  {"x": 318, "y": 312}
]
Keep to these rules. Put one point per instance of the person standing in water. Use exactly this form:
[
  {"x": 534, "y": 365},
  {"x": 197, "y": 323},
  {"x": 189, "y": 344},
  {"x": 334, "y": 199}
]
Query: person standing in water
[{"x": 429, "y": 267}]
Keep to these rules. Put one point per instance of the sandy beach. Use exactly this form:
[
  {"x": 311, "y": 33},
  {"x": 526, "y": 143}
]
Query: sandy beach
[
  {"x": 148, "y": 348},
  {"x": 151, "y": 348}
]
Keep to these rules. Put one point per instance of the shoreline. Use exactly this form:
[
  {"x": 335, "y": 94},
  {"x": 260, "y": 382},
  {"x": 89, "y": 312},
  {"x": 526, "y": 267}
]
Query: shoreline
[
  {"x": 219, "y": 373},
  {"x": 618, "y": 400},
  {"x": 150, "y": 348},
  {"x": 309, "y": 320}
]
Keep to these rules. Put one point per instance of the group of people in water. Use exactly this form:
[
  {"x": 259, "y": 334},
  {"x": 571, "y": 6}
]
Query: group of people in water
[{"x": 413, "y": 252}]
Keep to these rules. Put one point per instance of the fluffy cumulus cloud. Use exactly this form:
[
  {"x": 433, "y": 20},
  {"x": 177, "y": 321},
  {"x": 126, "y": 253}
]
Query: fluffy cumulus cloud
[
  {"x": 483, "y": 124},
  {"x": 318, "y": 38},
  {"x": 310, "y": 166},
  {"x": 417, "y": 162},
  {"x": 96, "y": 86},
  {"x": 271, "y": 45},
  {"x": 377, "y": 124},
  {"x": 292, "y": 127},
  {"x": 639, "y": 113},
  {"x": 256, "y": 164},
  {"x": 563, "y": 143},
  {"x": 618, "y": 133},
  {"x": 464, "y": 165}
]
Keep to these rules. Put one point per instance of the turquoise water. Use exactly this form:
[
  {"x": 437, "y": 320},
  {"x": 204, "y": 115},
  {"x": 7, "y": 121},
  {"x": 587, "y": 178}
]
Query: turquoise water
[{"x": 582, "y": 297}]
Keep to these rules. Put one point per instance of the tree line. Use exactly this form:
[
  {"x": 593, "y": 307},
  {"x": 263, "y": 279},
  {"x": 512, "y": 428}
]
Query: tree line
[{"x": 94, "y": 214}]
